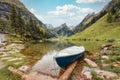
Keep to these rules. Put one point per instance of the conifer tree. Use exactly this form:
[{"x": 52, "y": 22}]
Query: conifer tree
[
  {"x": 20, "y": 24},
  {"x": 13, "y": 19}
]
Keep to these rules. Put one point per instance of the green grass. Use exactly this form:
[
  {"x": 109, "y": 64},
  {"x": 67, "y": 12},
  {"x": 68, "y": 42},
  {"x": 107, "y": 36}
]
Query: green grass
[
  {"x": 98, "y": 34},
  {"x": 12, "y": 38},
  {"x": 94, "y": 76},
  {"x": 91, "y": 46},
  {"x": 101, "y": 30},
  {"x": 114, "y": 56},
  {"x": 5, "y": 74}
]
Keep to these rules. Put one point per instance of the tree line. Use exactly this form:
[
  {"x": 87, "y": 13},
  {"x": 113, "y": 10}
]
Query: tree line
[
  {"x": 28, "y": 29},
  {"x": 114, "y": 12}
]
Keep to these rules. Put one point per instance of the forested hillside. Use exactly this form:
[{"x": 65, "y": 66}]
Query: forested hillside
[{"x": 16, "y": 19}]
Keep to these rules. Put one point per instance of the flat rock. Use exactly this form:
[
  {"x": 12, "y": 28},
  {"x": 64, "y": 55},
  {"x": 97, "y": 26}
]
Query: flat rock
[
  {"x": 39, "y": 76},
  {"x": 90, "y": 62},
  {"x": 4, "y": 55},
  {"x": 107, "y": 74},
  {"x": 87, "y": 72},
  {"x": 6, "y": 58},
  {"x": 17, "y": 63},
  {"x": 15, "y": 59}
]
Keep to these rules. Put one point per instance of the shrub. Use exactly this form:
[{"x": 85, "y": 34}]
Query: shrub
[{"x": 94, "y": 76}]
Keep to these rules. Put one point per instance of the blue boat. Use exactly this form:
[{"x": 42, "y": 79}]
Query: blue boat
[{"x": 69, "y": 55}]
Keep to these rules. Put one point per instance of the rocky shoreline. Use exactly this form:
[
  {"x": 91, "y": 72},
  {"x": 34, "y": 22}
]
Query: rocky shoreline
[
  {"x": 10, "y": 53},
  {"x": 95, "y": 66}
]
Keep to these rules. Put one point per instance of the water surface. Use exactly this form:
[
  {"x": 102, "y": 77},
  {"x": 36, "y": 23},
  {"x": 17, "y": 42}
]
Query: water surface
[
  {"x": 41, "y": 56},
  {"x": 2, "y": 37}
]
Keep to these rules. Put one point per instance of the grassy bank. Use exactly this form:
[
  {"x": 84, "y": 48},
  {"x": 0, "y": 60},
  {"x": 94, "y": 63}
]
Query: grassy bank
[
  {"x": 101, "y": 30},
  {"x": 91, "y": 46},
  {"x": 10, "y": 55}
]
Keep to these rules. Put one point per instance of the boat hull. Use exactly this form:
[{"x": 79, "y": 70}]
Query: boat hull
[{"x": 64, "y": 61}]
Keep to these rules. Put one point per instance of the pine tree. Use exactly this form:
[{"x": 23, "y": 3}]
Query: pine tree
[
  {"x": 13, "y": 19},
  {"x": 2, "y": 26},
  {"x": 31, "y": 27},
  {"x": 21, "y": 24},
  {"x": 109, "y": 17}
]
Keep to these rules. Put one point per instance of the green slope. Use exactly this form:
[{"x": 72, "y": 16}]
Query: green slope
[{"x": 100, "y": 30}]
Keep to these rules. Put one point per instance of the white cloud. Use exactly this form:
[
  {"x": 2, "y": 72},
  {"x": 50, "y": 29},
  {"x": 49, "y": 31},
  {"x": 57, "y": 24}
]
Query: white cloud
[
  {"x": 89, "y": 1},
  {"x": 70, "y": 10},
  {"x": 70, "y": 14}
]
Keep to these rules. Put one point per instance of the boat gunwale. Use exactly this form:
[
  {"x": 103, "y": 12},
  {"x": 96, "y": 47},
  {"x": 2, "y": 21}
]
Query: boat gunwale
[
  {"x": 69, "y": 55},
  {"x": 57, "y": 55}
]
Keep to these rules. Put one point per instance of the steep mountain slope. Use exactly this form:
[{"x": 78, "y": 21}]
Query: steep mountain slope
[
  {"x": 49, "y": 26},
  {"x": 102, "y": 28},
  {"x": 92, "y": 18},
  {"x": 63, "y": 30},
  {"x": 89, "y": 20},
  {"x": 86, "y": 20},
  {"x": 5, "y": 11}
]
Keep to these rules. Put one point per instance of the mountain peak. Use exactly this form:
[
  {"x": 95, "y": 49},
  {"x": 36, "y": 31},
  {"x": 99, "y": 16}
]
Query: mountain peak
[{"x": 64, "y": 25}]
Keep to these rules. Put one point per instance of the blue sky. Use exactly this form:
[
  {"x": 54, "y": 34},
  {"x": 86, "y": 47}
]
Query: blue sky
[{"x": 57, "y": 12}]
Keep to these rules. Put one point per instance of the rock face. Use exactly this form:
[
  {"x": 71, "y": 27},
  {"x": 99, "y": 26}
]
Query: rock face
[
  {"x": 6, "y": 6},
  {"x": 92, "y": 18},
  {"x": 79, "y": 26},
  {"x": 49, "y": 26},
  {"x": 63, "y": 30},
  {"x": 109, "y": 6},
  {"x": 6, "y": 10}
]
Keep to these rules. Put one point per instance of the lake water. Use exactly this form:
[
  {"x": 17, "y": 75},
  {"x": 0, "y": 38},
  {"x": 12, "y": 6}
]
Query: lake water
[
  {"x": 2, "y": 37},
  {"x": 41, "y": 56}
]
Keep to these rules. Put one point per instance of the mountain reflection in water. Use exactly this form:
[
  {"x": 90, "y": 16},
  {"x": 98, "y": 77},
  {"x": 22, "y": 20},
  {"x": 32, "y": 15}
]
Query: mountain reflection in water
[
  {"x": 47, "y": 65},
  {"x": 41, "y": 56}
]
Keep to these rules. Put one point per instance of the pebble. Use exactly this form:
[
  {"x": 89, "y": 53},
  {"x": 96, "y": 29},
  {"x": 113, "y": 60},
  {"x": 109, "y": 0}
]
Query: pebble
[
  {"x": 24, "y": 68},
  {"x": 105, "y": 57}
]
